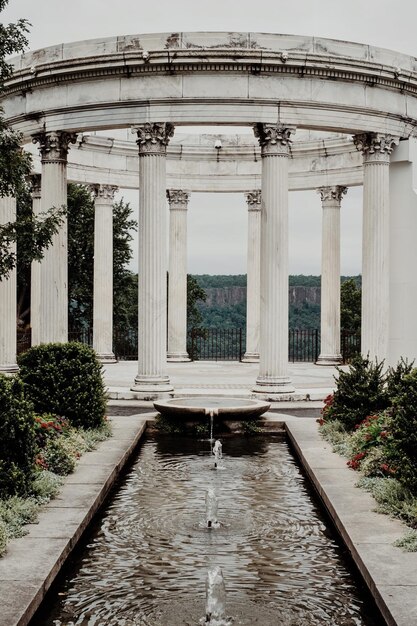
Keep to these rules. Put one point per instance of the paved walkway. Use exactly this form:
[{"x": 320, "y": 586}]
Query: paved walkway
[{"x": 226, "y": 378}]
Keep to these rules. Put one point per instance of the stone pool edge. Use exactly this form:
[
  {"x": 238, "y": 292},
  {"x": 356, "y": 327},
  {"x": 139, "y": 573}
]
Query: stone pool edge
[
  {"x": 389, "y": 573},
  {"x": 33, "y": 562}
]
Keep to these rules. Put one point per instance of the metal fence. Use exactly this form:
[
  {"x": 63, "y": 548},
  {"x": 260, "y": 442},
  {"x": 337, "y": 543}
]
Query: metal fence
[{"x": 214, "y": 344}]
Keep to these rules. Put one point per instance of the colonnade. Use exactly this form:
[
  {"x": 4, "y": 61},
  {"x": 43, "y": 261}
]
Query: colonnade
[{"x": 267, "y": 271}]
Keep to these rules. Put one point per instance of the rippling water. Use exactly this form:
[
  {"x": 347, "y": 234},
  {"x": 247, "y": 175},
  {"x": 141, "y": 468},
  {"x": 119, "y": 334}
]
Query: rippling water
[{"x": 147, "y": 560}]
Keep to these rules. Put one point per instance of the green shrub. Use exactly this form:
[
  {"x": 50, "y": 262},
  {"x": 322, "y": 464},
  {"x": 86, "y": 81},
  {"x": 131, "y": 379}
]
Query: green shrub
[
  {"x": 3, "y": 538},
  {"x": 404, "y": 432},
  {"x": 94, "y": 436},
  {"x": 46, "y": 486},
  {"x": 396, "y": 376},
  {"x": 359, "y": 392},
  {"x": 409, "y": 542},
  {"x": 17, "y": 438},
  {"x": 15, "y": 512},
  {"x": 59, "y": 457},
  {"x": 66, "y": 380},
  {"x": 335, "y": 433}
]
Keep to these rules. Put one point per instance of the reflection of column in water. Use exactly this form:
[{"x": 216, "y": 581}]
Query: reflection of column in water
[
  {"x": 212, "y": 504},
  {"x": 216, "y": 595}
]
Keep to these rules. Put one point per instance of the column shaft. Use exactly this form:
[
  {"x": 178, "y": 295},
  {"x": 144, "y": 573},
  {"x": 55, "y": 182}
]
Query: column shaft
[
  {"x": 35, "y": 271},
  {"x": 103, "y": 273},
  {"x": 8, "y": 299},
  {"x": 52, "y": 323},
  {"x": 273, "y": 366},
  {"x": 330, "y": 276},
  {"x": 253, "y": 296},
  {"x": 375, "y": 243},
  {"x": 152, "y": 379},
  {"x": 177, "y": 283}
]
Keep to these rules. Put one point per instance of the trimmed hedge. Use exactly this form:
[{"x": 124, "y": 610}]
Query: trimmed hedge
[
  {"x": 65, "y": 379},
  {"x": 17, "y": 439},
  {"x": 404, "y": 432}
]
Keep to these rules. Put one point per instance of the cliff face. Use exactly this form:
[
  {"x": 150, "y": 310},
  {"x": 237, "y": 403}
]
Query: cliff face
[{"x": 226, "y": 296}]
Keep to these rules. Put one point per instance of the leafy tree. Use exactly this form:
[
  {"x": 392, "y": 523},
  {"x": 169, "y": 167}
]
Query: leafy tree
[
  {"x": 81, "y": 261},
  {"x": 32, "y": 235},
  {"x": 350, "y": 306},
  {"x": 195, "y": 293}
]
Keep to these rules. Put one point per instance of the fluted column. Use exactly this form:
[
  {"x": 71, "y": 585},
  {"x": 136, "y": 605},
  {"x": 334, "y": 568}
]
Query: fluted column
[
  {"x": 35, "y": 280},
  {"x": 152, "y": 380},
  {"x": 330, "y": 276},
  {"x": 273, "y": 376},
  {"x": 52, "y": 322},
  {"x": 253, "y": 302},
  {"x": 177, "y": 278},
  {"x": 376, "y": 149},
  {"x": 103, "y": 273},
  {"x": 8, "y": 299}
]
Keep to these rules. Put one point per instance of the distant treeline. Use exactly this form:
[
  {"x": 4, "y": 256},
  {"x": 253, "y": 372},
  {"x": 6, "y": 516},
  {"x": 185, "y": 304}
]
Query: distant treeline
[{"x": 302, "y": 315}]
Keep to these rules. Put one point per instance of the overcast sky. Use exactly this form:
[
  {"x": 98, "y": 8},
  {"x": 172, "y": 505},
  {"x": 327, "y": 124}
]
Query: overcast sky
[{"x": 217, "y": 222}]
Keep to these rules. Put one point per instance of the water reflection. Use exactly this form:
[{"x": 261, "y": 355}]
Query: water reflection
[{"x": 147, "y": 562}]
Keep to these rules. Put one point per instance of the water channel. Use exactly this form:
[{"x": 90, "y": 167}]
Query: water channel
[{"x": 147, "y": 559}]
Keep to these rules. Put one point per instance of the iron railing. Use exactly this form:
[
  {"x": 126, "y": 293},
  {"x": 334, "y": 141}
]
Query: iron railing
[
  {"x": 303, "y": 345},
  {"x": 214, "y": 344}
]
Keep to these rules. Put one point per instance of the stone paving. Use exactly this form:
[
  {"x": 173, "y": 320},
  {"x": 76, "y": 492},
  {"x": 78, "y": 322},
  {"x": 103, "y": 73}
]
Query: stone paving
[{"x": 226, "y": 378}]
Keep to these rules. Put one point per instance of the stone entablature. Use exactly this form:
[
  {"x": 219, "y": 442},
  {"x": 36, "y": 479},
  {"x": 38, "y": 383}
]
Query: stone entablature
[{"x": 124, "y": 81}]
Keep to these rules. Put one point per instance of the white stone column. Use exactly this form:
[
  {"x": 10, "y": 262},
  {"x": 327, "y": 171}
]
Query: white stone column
[
  {"x": 177, "y": 277},
  {"x": 35, "y": 282},
  {"x": 273, "y": 376},
  {"x": 330, "y": 276},
  {"x": 52, "y": 323},
  {"x": 376, "y": 149},
  {"x": 103, "y": 273},
  {"x": 8, "y": 299},
  {"x": 253, "y": 295},
  {"x": 152, "y": 380}
]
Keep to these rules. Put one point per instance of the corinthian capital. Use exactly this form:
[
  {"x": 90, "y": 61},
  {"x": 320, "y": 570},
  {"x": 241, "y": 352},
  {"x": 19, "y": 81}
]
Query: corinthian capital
[
  {"x": 332, "y": 194},
  {"x": 104, "y": 192},
  {"x": 254, "y": 200},
  {"x": 54, "y": 145},
  {"x": 376, "y": 146},
  {"x": 178, "y": 199},
  {"x": 153, "y": 138},
  {"x": 274, "y": 138}
]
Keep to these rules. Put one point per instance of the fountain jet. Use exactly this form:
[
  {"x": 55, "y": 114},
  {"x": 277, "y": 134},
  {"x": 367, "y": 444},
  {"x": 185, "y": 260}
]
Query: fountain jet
[
  {"x": 212, "y": 504},
  {"x": 216, "y": 598},
  {"x": 217, "y": 451}
]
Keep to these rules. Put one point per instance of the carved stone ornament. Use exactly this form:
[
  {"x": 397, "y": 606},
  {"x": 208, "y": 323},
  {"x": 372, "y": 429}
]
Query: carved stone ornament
[
  {"x": 376, "y": 146},
  {"x": 104, "y": 192},
  {"x": 54, "y": 145},
  {"x": 153, "y": 138},
  {"x": 177, "y": 198},
  {"x": 254, "y": 200},
  {"x": 274, "y": 138},
  {"x": 332, "y": 194}
]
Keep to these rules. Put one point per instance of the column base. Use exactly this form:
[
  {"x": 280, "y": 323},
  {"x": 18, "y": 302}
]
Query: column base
[
  {"x": 329, "y": 359},
  {"x": 178, "y": 357},
  {"x": 250, "y": 357},
  {"x": 10, "y": 369},
  {"x": 106, "y": 358},
  {"x": 270, "y": 388},
  {"x": 152, "y": 387}
]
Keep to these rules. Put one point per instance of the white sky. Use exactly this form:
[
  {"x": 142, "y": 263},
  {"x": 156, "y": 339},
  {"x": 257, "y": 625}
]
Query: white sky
[{"x": 217, "y": 222}]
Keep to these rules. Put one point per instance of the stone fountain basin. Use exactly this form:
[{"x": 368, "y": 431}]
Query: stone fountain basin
[{"x": 226, "y": 408}]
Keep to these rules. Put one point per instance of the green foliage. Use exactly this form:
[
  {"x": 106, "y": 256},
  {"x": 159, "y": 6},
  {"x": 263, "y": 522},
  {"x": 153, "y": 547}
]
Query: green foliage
[
  {"x": 404, "y": 431},
  {"x": 360, "y": 392},
  {"x": 81, "y": 261},
  {"x": 15, "y": 512},
  {"x": 171, "y": 425},
  {"x": 350, "y": 305},
  {"x": 195, "y": 293},
  {"x": 17, "y": 438},
  {"x": 65, "y": 379},
  {"x": 335, "y": 433},
  {"x": 59, "y": 457},
  {"x": 46, "y": 486},
  {"x": 250, "y": 427},
  {"x": 3, "y": 538},
  {"x": 408, "y": 542},
  {"x": 395, "y": 378}
]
